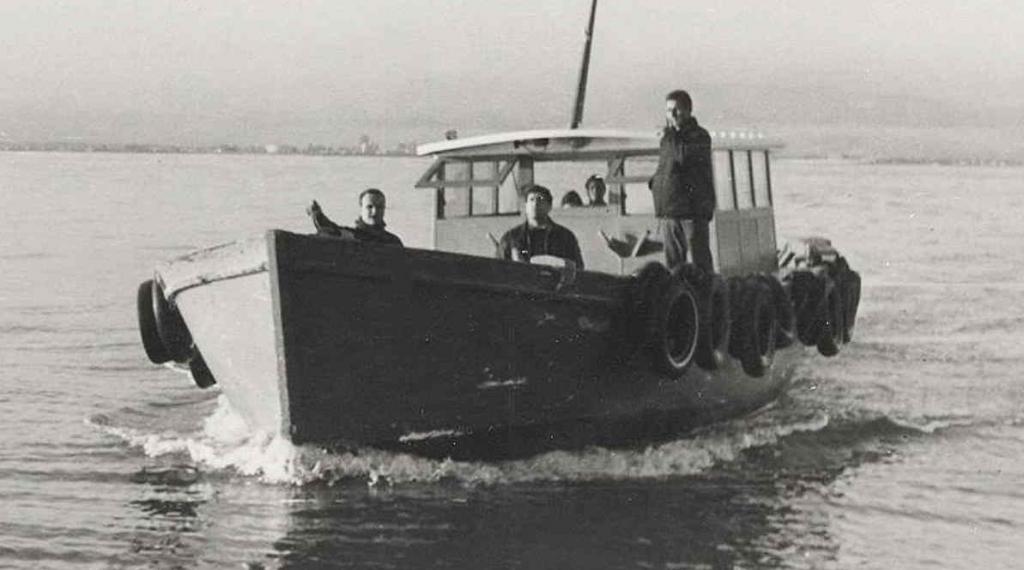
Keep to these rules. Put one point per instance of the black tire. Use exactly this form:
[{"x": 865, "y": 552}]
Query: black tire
[
  {"x": 808, "y": 296},
  {"x": 673, "y": 329},
  {"x": 715, "y": 323},
  {"x": 201, "y": 374},
  {"x": 754, "y": 328},
  {"x": 171, "y": 327},
  {"x": 151, "y": 341},
  {"x": 648, "y": 283},
  {"x": 832, "y": 313},
  {"x": 851, "y": 302},
  {"x": 651, "y": 275},
  {"x": 784, "y": 316}
]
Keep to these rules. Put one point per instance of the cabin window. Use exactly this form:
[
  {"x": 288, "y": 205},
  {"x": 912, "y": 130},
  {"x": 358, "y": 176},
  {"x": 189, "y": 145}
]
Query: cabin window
[
  {"x": 741, "y": 174},
  {"x": 762, "y": 191},
  {"x": 485, "y": 198},
  {"x": 723, "y": 180},
  {"x": 621, "y": 178},
  {"x": 476, "y": 189},
  {"x": 637, "y": 172},
  {"x": 456, "y": 198},
  {"x": 508, "y": 197}
]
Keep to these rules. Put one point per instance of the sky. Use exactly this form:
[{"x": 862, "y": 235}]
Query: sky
[{"x": 325, "y": 72}]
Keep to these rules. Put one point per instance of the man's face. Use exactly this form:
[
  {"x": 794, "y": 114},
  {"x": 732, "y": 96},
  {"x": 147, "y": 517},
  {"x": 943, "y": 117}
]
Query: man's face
[
  {"x": 595, "y": 190},
  {"x": 537, "y": 208},
  {"x": 371, "y": 209},
  {"x": 675, "y": 113}
]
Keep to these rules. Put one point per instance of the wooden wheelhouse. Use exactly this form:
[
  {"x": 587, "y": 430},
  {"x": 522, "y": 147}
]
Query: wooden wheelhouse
[{"x": 479, "y": 183}]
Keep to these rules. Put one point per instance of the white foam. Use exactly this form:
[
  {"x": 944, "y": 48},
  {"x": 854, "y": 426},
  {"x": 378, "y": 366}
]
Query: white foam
[
  {"x": 931, "y": 425},
  {"x": 224, "y": 442}
]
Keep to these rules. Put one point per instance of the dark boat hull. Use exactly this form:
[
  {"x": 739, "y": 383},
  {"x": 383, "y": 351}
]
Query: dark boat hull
[{"x": 438, "y": 353}]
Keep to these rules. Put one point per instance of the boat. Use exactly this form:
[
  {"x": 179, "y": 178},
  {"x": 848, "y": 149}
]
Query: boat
[{"x": 448, "y": 351}]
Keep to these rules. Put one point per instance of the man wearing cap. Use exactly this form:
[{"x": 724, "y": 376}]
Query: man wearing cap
[
  {"x": 683, "y": 186},
  {"x": 539, "y": 234}
]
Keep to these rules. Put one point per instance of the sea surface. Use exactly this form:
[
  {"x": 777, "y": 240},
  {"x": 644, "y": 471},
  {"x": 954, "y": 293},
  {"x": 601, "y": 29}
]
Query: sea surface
[{"x": 905, "y": 451}]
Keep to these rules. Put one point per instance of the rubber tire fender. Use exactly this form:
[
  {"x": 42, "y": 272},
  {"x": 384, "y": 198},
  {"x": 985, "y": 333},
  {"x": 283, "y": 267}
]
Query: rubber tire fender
[
  {"x": 648, "y": 283},
  {"x": 754, "y": 328},
  {"x": 199, "y": 371},
  {"x": 785, "y": 317},
  {"x": 715, "y": 323},
  {"x": 171, "y": 327},
  {"x": 737, "y": 292},
  {"x": 832, "y": 314},
  {"x": 851, "y": 302},
  {"x": 151, "y": 341},
  {"x": 673, "y": 329},
  {"x": 808, "y": 296}
]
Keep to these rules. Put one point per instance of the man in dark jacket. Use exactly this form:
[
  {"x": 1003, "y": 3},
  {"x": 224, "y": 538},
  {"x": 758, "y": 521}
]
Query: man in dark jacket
[
  {"x": 369, "y": 225},
  {"x": 539, "y": 234},
  {"x": 683, "y": 187}
]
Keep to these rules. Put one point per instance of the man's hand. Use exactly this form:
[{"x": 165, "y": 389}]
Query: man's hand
[{"x": 313, "y": 209}]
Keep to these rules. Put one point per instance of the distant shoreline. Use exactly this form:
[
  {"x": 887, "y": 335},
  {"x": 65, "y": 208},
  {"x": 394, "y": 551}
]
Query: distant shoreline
[
  {"x": 403, "y": 150},
  {"x": 909, "y": 161},
  {"x": 409, "y": 151}
]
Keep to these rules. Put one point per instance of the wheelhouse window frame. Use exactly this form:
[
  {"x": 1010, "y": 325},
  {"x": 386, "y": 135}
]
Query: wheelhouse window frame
[
  {"x": 761, "y": 178},
  {"x": 725, "y": 187},
  {"x": 462, "y": 192}
]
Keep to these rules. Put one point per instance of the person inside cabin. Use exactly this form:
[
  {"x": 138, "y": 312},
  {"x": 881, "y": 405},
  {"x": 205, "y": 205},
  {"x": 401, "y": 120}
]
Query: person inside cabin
[
  {"x": 682, "y": 185},
  {"x": 596, "y": 190},
  {"x": 369, "y": 225},
  {"x": 539, "y": 234},
  {"x": 571, "y": 199}
]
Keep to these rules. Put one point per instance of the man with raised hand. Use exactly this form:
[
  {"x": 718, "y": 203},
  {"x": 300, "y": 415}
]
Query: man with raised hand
[{"x": 369, "y": 225}]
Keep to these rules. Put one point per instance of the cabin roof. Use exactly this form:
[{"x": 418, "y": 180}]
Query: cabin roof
[{"x": 567, "y": 144}]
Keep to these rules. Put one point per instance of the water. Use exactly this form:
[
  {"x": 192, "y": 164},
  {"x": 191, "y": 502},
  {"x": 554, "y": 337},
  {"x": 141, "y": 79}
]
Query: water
[{"x": 904, "y": 452}]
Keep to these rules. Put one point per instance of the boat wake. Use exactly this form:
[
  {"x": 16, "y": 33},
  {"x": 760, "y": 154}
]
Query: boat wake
[{"x": 223, "y": 445}]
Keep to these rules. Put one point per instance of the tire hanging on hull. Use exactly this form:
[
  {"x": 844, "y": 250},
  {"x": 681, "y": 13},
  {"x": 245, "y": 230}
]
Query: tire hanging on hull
[
  {"x": 851, "y": 302},
  {"x": 165, "y": 337},
  {"x": 832, "y": 329},
  {"x": 200, "y": 372},
  {"x": 673, "y": 328},
  {"x": 819, "y": 310},
  {"x": 715, "y": 322},
  {"x": 154, "y": 346},
  {"x": 784, "y": 316},
  {"x": 648, "y": 282},
  {"x": 754, "y": 326},
  {"x": 171, "y": 327},
  {"x": 808, "y": 294}
]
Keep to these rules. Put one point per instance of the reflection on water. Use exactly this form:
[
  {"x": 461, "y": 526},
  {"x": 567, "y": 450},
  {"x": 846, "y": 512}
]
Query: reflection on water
[{"x": 768, "y": 506}]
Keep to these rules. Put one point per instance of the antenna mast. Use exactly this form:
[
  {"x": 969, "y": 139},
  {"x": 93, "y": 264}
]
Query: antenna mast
[{"x": 581, "y": 86}]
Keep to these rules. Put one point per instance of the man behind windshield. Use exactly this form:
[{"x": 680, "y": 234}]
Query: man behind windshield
[{"x": 539, "y": 234}]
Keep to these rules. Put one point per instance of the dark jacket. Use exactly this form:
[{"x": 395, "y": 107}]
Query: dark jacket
[
  {"x": 683, "y": 185},
  {"x": 376, "y": 234},
  {"x": 555, "y": 240},
  {"x": 362, "y": 231}
]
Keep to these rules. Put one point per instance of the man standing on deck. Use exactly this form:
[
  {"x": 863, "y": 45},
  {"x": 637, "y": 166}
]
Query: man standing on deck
[
  {"x": 369, "y": 225},
  {"x": 683, "y": 187},
  {"x": 539, "y": 234}
]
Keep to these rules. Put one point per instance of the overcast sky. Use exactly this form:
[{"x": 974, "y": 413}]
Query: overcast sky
[{"x": 305, "y": 71}]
